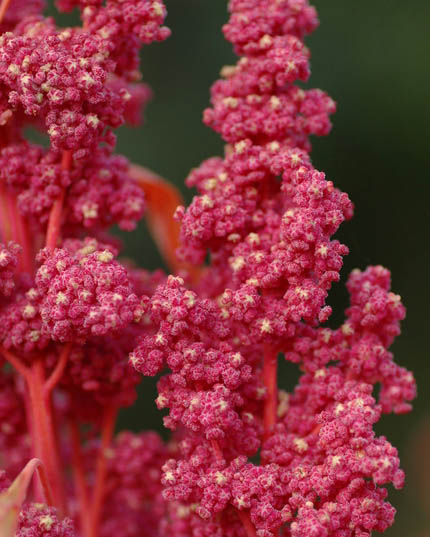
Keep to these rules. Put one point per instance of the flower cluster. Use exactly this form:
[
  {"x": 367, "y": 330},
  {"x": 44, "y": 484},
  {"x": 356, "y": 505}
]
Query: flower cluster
[
  {"x": 8, "y": 262},
  {"x": 134, "y": 499},
  {"x": 38, "y": 519},
  {"x": 83, "y": 293},
  {"x": 253, "y": 258},
  {"x": 100, "y": 190},
  {"x": 70, "y": 311},
  {"x": 267, "y": 217}
]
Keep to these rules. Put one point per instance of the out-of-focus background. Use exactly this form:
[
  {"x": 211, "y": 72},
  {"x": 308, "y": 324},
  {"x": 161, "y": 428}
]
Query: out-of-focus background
[{"x": 372, "y": 58}]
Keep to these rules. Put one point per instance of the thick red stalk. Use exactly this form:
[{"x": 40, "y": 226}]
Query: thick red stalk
[
  {"x": 217, "y": 450},
  {"x": 247, "y": 524},
  {"x": 40, "y": 417},
  {"x": 3, "y": 8},
  {"x": 44, "y": 483},
  {"x": 21, "y": 385},
  {"x": 108, "y": 427},
  {"x": 44, "y": 440},
  {"x": 270, "y": 380},
  {"x": 270, "y": 366},
  {"x": 14, "y": 227},
  {"x": 54, "y": 222},
  {"x": 27, "y": 257},
  {"x": 5, "y": 225},
  {"x": 12, "y": 216},
  {"x": 79, "y": 478}
]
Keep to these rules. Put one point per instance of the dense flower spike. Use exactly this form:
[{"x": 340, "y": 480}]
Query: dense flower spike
[
  {"x": 78, "y": 326},
  {"x": 267, "y": 216},
  {"x": 70, "y": 312},
  {"x": 210, "y": 382},
  {"x": 60, "y": 75}
]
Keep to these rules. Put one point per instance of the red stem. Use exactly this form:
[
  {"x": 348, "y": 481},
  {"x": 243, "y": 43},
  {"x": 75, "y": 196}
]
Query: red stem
[
  {"x": 13, "y": 226},
  {"x": 40, "y": 419},
  {"x": 316, "y": 429},
  {"x": 12, "y": 214},
  {"x": 27, "y": 258},
  {"x": 44, "y": 441},
  {"x": 16, "y": 363},
  {"x": 58, "y": 371},
  {"x": 44, "y": 482},
  {"x": 54, "y": 222},
  {"x": 5, "y": 225},
  {"x": 217, "y": 450},
  {"x": 108, "y": 427},
  {"x": 3, "y": 8},
  {"x": 79, "y": 478},
  {"x": 247, "y": 523},
  {"x": 270, "y": 366},
  {"x": 21, "y": 385}
]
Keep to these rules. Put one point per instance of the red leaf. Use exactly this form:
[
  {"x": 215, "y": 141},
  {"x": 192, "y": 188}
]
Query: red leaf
[{"x": 162, "y": 200}]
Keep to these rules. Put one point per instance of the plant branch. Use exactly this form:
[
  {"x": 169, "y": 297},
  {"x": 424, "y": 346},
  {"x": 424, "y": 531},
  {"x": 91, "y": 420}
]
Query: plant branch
[
  {"x": 5, "y": 224},
  {"x": 58, "y": 371},
  {"x": 79, "y": 478},
  {"x": 247, "y": 523},
  {"x": 44, "y": 440},
  {"x": 3, "y": 8},
  {"x": 108, "y": 427},
  {"x": 15, "y": 362},
  {"x": 54, "y": 222}
]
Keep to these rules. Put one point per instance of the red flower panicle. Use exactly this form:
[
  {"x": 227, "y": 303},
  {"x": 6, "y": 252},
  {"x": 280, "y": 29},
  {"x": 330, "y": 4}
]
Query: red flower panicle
[
  {"x": 78, "y": 325},
  {"x": 267, "y": 218}
]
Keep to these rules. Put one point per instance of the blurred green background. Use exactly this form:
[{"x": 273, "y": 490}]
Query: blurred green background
[{"x": 372, "y": 58}]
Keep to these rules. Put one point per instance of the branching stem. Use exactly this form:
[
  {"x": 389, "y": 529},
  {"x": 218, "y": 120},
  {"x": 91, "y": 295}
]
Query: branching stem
[
  {"x": 108, "y": 427},
  {"x": 54, "y": 222},
  {"x": 79, "y": 478},
  {"x": 58, "y": 371},
  {"x": 16, "y": 362},
  {"x": 43, "y": 432}
]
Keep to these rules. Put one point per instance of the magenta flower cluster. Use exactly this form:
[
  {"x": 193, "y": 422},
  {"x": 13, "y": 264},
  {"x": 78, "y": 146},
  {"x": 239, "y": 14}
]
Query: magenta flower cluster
[{"x": 253, "y": 259}]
